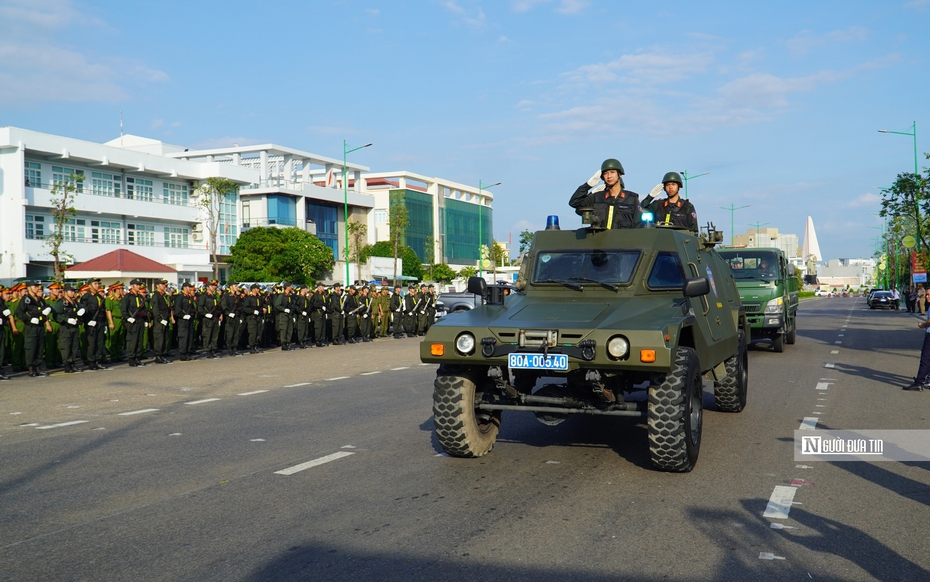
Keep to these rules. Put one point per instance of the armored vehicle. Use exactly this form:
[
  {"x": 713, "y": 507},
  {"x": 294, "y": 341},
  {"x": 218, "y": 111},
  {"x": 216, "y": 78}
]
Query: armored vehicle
[
  {"x": 600, "y": 317},
  {"x": 768, "y": 288}
]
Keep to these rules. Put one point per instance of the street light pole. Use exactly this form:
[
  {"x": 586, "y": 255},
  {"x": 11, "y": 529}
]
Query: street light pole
[
  {"x": 758, "y": 225},
  {"x": 345, "y": 198},
  {"x": 685, "y": 177},
  {"x": 480, "y": 216},
  {"x": 912, "y": 133},
  {"x": 732, "y": 208}
]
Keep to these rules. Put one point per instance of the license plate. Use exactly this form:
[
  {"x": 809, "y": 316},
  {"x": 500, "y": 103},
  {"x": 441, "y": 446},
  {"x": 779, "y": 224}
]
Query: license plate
[{"x": 537, "y": 362}]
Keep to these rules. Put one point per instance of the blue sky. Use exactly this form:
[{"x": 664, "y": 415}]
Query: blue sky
[{"x": 779, "y": 101}]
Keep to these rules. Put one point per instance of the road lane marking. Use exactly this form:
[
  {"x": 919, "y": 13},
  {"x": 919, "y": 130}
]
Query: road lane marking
[
  {"x": 401, "y": 368},
  {"x": 61, "y": 424},
  {"x": 809, "y": 423},
  {"x": 143, "y": 411},
  {"x": 252, "y": 392},
  {"x": 829, "y": 365},
  {"x": 838, "y": 342},
  {"x": 313, "y": 463},
  {"x": 337, "y": 378},
  {"x": 770, "y": 556},
  {"x": 298, "y": 385},
  {"x": 823, "y": 385},
  {"x": 779, "y": 505},
  {"x": 370, "y": 373},
  {"x": 834, "y": 351},
  {"x": 202, "y": 401},
  {"x": 841, "y": 335}
]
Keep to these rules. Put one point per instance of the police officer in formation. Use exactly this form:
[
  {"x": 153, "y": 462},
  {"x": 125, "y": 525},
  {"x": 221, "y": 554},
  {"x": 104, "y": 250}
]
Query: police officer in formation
[{"x": 98, "y": 325}]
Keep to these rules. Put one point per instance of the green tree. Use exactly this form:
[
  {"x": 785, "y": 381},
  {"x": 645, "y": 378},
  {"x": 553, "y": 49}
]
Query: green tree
[
  {"x": 358, "y": 237},
  {"x": 467, "y": 272},
  {"x": 412, "y": 266},
  {"x": 526, "y": 240},
  {"x": 398, "y": 221},
  {"x": 63, "y": 211},
  {"x": 443, "y": 273},
  {"x": 276, "y": 254},
  {"x": 213, "y": 193},
  {"x": 429, "y": 255},
  {"x": 498, "y": 256}
]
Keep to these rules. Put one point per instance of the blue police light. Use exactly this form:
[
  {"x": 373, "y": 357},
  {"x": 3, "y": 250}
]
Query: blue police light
[
  {"x": 647, "y": 218},
  {"x": 552, "y": 222}
]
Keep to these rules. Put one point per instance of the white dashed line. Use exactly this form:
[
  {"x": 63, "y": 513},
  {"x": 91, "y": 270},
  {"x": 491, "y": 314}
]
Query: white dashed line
[
  {"x": 779, "y": 505},
  {"x": 61, "y": 424},
  {"x": 834, "y": 351},
  {"x": 838, "y": 342},
  {"x": 401, "y": 368},
  {"x": 823, "y": 385},
  {"x": 298, "y": 385},
  {"x": 809, "y": 423},
  {"x": 143, "y": 411},
  {"x": 770, "y": 556},
  {"x": 841, "y": 335},
  {"x": 370, "y": 373},
  {"x": 205, "y": 400},
  {"x": 337, "y": 378},
  {"x": 252, "y": 392},
  {"x": 829, "y": 365},
  {"x": 313, "y": 463}
]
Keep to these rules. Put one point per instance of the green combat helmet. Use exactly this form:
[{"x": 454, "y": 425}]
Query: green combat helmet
[
  {"x": 672, "y": 177},
  {"x": 612, "y": 164}
]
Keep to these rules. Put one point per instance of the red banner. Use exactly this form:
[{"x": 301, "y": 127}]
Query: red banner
[{"x": 917, "y": 266}]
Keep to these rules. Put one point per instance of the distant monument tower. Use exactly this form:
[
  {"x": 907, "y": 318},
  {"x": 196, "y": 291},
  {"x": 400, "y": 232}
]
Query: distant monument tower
[{"x": 810, "y": 251}]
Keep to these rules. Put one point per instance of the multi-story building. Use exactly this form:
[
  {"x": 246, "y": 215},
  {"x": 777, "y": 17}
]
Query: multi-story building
[
  {"x": 132, "y": 195},
  {"x": 457, "y": 218},
  {"x": 769, "y": 237}
]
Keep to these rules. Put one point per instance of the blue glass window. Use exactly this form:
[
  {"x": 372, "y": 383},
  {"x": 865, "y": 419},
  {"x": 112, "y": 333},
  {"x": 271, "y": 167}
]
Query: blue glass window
[
  {"x": 282, "y": 210},
  {"x": 324, "y": 216}
]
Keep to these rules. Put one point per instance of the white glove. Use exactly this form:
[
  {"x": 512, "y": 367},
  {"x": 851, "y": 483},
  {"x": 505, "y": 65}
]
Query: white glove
[
  {"x": 303, "y": 313},
  {"x": 187, "y": 316},
  {"x": 130, "y": 320},
  {"x": 232, "y": 316},
  {"x": 6, "y": 313},
  {"x": 655, "y": 191},
  {"x": 81, "y": 312},
  {"x": 72, "y": 321},
  {"x": 593, "y": 180},
  {"x": 256, "y": 312},
  {"x": 46, "y": 311},
  {"x": 164, "y": 322},
  {"x": 599, "y": 188},
  {"x": 93, "y": 323},
  {"x": 34, "y": 321},
  {"x": 209, "y": 316},
  {"x": 324, "y": 308},
  {"x": 287, "y": 311}
]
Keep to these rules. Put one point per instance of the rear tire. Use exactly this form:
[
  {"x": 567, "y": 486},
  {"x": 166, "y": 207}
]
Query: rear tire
[
  {"x": 731, "y": 392},
  {"x": 462, "y": 430},
  {"x": 675, "y": 415}
]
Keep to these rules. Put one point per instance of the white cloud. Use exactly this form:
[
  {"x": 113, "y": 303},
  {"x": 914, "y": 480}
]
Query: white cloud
[
  {"x": 805, "y": 41},
  {"x": 867, "y": 199},
  {"x": 474, "y": 18},
  {"x": 643, "y": 68},
  {"x": 49, "y": 14},
  {"x": 524, "y": 104}
]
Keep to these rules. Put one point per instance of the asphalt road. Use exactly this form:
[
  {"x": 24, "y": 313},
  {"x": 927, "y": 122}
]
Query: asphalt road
[{"x": 200, "y": 480}]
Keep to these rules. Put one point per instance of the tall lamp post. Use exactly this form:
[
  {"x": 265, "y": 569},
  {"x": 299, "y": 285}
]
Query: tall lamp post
[
  {"x": 758, "y": 226},
  {"x": 345, "y": 198},
  {"x": 480, "y": 217},
  {"x": 685, "y": 178},
  {"x": 733, "y": 208},
  {"x": 913, "y": 133}
]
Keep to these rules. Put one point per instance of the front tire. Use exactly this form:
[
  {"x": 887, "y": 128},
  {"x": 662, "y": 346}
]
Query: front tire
[
  {"x": 675, "y": 415},
  {"x": 731, "y": 392},
  {"x": 462, "y": 430},
  {"x": 792, "y": 336},
  {"x": 778, "y": 342}
]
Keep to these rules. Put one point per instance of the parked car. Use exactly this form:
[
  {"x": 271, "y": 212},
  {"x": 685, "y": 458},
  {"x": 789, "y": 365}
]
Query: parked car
[{"x": 882, "y": 300}]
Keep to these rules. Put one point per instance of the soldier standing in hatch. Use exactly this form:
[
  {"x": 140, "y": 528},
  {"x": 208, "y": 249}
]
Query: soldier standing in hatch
[
  {"x": 614, "y": 206},
  {"x": 185, "y": 310},
  {"x": 161, "y": 317},
  {"x": 95, "y": 320},
  {"x": 209, "y": 309},
  {"x": 69, "y": 332},
  {"x": 33, "y": 311},
  {"x": 673, "y": 209}
]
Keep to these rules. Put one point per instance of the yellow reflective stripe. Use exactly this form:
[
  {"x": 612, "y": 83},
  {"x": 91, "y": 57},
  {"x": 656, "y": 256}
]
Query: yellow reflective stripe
[{"x": 610, "y": 216}]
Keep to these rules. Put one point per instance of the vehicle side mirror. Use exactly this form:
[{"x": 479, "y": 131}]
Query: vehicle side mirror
[
  {"x": 792, "y": 271},
  {"x": 696, "y": 287},
  {"x": 478, "y": 286}
]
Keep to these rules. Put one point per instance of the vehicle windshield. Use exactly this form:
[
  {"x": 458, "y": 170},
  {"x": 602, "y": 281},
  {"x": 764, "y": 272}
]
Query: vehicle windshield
[
  {"x": 749, "y": 264},
  {"x": 614, "y": 266}
]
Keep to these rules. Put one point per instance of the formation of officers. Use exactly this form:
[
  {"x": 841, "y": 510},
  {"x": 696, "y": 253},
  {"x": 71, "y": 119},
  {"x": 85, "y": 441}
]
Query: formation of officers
[{"x": 96, "y": 325}]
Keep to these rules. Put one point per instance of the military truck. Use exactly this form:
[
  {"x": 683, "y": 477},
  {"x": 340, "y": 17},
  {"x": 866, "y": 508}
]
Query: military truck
[
  {"x": 600, "y": 317},
  {"x": 768, "y": 288}
]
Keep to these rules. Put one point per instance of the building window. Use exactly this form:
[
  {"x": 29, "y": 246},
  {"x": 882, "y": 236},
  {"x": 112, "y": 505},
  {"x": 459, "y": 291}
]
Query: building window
[
  {"x": 62, "y": 175},
  {"x": 420, "y": 218},
  {"x": 381, "y": 216},
  {"x": 228, "y": 223},
  {"x": 106, "y": 232},
  {"x": 74, "y": 230},
  {"x": 33, "y": 174},
  {"x": 175, "y": 194},
  {"x": 282, "y": 210},
  {"x": 140, "y": 234},
  {"x": 176, "y": 237},
  {"x": 324, "y": 216},
  {"x": 35, "y": 226},
  {"x": 106, "y": 184},
  {"x": 139, "y": 189},
  {"x": 246, "y": 214}
]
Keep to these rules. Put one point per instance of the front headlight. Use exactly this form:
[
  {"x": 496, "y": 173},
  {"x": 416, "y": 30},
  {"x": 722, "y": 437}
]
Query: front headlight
[
  {"x": 773, "y": 307},
  {"x": 618, "y": 347},
  {"x": 465, "y": 344}
]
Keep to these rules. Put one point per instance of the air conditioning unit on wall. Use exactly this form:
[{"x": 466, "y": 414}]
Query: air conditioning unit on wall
[
  {"x": 197, "y": 237},
  {"x": 197, "y": 227}
]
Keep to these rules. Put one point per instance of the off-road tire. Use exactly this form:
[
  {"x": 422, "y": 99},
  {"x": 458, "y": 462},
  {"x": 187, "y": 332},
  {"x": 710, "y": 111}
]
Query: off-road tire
[
  {"x": 675, "y": 414},
  {"x": 462, "y": 430},
  {"x": 792, "y": 335},
  {"x": 730, "y": 392}
]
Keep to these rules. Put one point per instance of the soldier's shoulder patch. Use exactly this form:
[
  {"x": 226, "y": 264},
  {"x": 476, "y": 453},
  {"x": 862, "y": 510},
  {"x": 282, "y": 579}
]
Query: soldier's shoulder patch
[
  {"x": 694, "y": 215},
  {"x": 28, "y": 301}
]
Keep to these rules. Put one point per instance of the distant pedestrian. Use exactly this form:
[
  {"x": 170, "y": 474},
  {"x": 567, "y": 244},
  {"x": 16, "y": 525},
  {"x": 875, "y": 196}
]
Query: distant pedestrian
[{"x": 920, "y": 381}]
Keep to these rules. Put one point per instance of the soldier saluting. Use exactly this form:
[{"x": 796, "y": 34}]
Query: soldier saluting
[
  {"x": 614, "y": 206},
  {"x": 673, "y": 209}
]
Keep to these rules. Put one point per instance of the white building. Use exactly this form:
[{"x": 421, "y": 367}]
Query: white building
[
  {"x": 838, "y": 273},
  {"x": 133, "y": 195}
]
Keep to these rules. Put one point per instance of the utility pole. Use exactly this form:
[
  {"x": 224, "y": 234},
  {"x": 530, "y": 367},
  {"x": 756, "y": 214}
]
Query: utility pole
[
  {"x": 758, "y": 225},
  {"x": 732, "y": 209}
]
